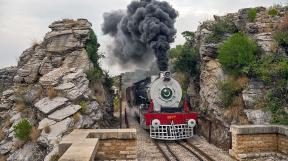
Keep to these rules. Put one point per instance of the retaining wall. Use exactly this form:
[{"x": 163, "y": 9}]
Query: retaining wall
[
  {"x": 99, "y": 144},
  {"x": 256, "y": 140}
]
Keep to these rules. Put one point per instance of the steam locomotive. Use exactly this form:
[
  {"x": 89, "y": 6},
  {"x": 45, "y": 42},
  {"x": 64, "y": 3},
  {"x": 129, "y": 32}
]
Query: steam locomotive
[{"x": 157, "y": 102}]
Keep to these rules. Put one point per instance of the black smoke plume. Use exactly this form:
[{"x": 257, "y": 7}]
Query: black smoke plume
[{"x": 146, "y": 27}]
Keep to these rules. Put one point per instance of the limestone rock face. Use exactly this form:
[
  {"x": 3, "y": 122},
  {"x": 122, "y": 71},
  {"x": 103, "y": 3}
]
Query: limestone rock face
[
  {"x": 30, "y": 151},
  {"x": 47, "y": 88},
  {"x": 47, "y": 105},
  {"x": 64, "y": 112},
  {"x": 6, "y": 76},
  {"x": 53, "y": 77},
  {"x": 252, "y": 93},
  {"x": 211, "y": 75},
  {"x": 64, "y": 46},
  {"x": 211, "y": 72},
  {"x": 258, "y": 116},
  {"x": 56, "y": 131}
]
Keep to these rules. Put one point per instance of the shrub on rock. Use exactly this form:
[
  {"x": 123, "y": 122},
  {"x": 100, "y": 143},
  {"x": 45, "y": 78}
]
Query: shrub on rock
[
  {"x": 238, "y": 53},
  {"x": 252, "y": 13},
  {"x": 22, "y": 129}
]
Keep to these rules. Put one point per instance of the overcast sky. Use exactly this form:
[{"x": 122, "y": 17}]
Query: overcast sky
[{"x": 24, "y": 21}]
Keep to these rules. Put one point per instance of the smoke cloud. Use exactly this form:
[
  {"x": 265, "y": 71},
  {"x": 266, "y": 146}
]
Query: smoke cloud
[{"x": 145, "y": 29}]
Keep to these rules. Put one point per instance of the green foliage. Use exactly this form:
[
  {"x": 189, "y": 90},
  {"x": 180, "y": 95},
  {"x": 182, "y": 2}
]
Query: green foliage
[
  {"x": 189, "y": 37},
  {"x": 91, "y": 47},
  {"x": 272, "y": 11},
  {"x": 282, "y": 38},
  {"x": 229, "y": 90},
  {"x": 108, "y": 81},
  {"x": 94, "y": 74},
  {"x": 277, "y": 100},
  {"x": 237, "y": 54},
  {"x": 116, "y": 103},
  {"x": 186, "y": 59},
  {"x": 84, "y": 106},
  {"x": 22, "y": 129},
  {"x": 252, "y": 13},
  {"x": 271, "y": 68},
  {"x": 55, "y": 157},
  {"x": 219, "y": 29}
]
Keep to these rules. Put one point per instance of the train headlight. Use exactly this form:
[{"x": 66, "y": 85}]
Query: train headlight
[
  {"x": 191, "y": 123},
  {"x": 155, "y": 123}
]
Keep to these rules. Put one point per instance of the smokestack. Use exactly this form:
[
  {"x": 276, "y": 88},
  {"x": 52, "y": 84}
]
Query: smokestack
[{"x": 145, "y": 29}]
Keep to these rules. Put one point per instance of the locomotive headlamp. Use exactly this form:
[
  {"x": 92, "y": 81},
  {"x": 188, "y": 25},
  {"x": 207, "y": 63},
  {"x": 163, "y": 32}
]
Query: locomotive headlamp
[
  {"x": 155, "y": 123},
  {"x": 191, "y": 122},
  {"x": 167, "y": 76}
]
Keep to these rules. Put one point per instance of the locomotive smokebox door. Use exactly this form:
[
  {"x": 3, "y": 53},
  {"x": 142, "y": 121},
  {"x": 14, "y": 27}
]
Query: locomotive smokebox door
[{"x": 165, "y": 92}]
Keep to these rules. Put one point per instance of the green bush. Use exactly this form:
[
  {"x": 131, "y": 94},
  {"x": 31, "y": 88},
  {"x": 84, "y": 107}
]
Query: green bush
[
  {"x": 229, "y": 90},
  {"x": 91, "y": 47},
  {"x": 219, "y": 29},
  {"x": 281, "y": 37},
  {"x": 237, "y": 54},
  {"x": 272, "y": 11},
  {"x": 186, "y": 59},
  {"x": 277, "y": 100},
  {"x": 271, "y": 68},
  {"x": 108, "y": 81},
  {"x": 94, "y": 74},
  {"x": 252, "y": 13},
  {"x": 22, "y": 129},
  {"x": 84, "y": 106}
]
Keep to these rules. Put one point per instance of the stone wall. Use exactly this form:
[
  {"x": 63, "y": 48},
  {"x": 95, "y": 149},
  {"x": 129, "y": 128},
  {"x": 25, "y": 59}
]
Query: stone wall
[
  {"x": 100, "y": 144},
  {"x": 112, "y": 149},
  {"x": 254, "y": 140}
]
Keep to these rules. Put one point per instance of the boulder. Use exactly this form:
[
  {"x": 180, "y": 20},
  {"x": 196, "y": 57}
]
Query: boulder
[
  {"x": 65, "y": 86},
  {"x": 78, "y": 59},
  {"x": 56, "y": 131},
  {"x": 6, "y": 76},
  {"x": 55, "y": 151},
  {"x": 73, "y": 76},
  {"x": 63, "y": 43},
  {"x": 15, "y": 118},
  {"x": 258, "y": 116},
  {"x": 47, "y": 105},
  {"x": 64, "y": 112},
  {"x": 266, "y": 42},
  {"x": 4, "y": 107},
  {"x": 84, "y": 122},
  {"x": 30, "y": 151},
  {"x": 6, "y": 147},
  {"x": 33, "y": 94},
  {"x": 45, "y": 122},
  {"x": 92, "y": 107},
  {"x": 7, "y": 93},
  {"x": 52, "y": 78},
  {"x": 252, "y": 93}
]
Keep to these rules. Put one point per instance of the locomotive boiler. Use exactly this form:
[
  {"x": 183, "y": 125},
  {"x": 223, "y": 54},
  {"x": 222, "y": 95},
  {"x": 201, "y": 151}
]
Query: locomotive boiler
[{"x": 157, "y": 100}]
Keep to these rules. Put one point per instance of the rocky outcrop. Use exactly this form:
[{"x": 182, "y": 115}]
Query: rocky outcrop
[
  {"x": 6, "y": 77},
  {"x": 212, "y": 114},
  {"x": 64, "y": 46},
  {"x": 50, "y": 89}
]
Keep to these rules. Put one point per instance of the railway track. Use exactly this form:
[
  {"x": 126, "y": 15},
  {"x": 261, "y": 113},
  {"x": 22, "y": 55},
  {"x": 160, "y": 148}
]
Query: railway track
[
  {"x": 170, "y": 151},
  {"x": 167, "y": 150}
]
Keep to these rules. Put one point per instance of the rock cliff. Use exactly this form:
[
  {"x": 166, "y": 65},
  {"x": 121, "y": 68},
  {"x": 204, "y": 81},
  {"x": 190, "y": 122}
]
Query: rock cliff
[
  {"x": 49, "y": 87},
  {"x": 212, "y": 115}
]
